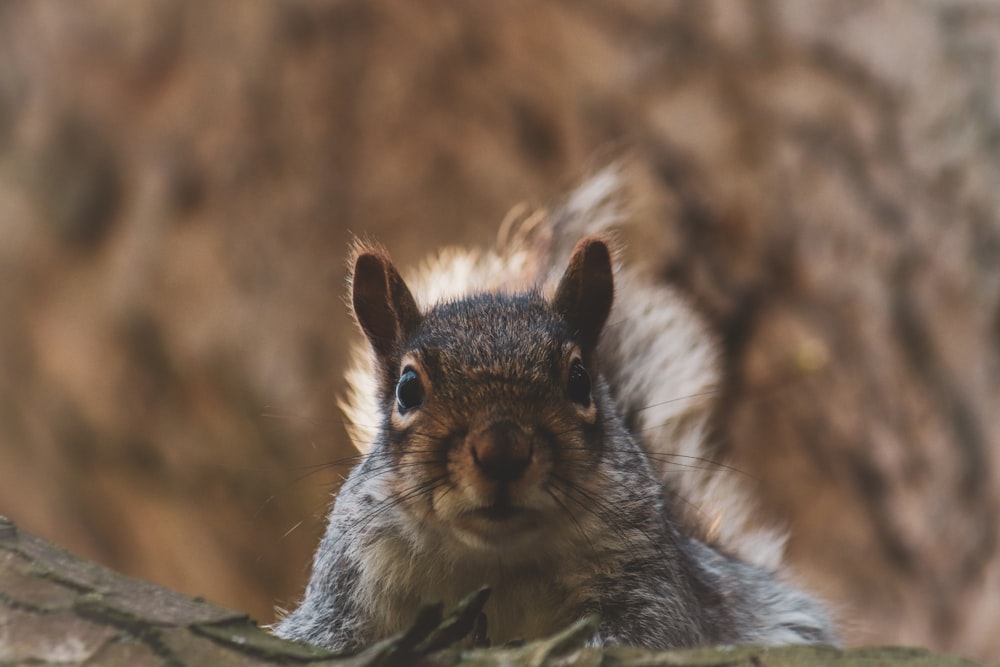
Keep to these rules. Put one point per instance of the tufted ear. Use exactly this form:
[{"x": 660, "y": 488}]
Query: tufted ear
[
  {"x": 382, "y": 302},
  {"x": 586, "y": 290}
]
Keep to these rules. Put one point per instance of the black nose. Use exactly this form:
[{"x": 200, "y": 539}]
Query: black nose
[{"x": 502, "y": 451}]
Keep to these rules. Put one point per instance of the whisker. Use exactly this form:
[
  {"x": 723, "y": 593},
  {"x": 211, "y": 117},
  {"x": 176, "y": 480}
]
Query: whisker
[
  {"x": 712, "y": 466},
  {"x": 390, "y": 503},
  {"x": 292, "y": 529},
  {"x": 576, "y": 522},
  {"x": 609, "y": 516},
  {"x": 674, "y": 400}
]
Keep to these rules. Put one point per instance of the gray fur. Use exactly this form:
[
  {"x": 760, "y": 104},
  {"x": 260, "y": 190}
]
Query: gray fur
[{"x": 615, "y": 542}]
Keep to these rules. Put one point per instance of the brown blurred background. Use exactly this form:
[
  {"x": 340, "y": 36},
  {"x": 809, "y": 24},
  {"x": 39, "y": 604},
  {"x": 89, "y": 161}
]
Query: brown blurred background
[{"x": 179, "y": 179}]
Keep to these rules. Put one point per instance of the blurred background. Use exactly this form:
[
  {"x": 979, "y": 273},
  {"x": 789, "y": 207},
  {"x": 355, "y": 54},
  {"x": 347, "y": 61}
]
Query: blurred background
[{"x": 179, "y": 181}]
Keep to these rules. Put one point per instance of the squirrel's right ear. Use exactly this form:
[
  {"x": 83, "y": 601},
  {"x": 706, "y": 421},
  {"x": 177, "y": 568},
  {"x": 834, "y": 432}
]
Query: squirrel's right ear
[{"x": 382, "y": 302}]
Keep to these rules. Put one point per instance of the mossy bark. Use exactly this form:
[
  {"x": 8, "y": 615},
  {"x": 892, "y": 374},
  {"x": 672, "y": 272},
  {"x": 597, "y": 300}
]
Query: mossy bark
[{"x": 57, "y": 609}]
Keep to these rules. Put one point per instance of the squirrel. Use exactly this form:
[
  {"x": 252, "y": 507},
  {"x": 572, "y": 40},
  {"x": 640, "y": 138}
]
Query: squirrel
[{"x": 534, "y": 418}]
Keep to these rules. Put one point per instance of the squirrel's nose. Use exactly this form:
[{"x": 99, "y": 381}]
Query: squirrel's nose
[{"x": 502, "y": 451}]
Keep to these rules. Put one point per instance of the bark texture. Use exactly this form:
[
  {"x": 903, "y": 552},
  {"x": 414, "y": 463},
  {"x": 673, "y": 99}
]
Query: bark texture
[
  {"x": 57, "y": 609},
  {"x": 178, "y": 181}
]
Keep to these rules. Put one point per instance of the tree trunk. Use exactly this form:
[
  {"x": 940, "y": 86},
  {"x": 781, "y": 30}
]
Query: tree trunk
[{"x": 179, "y": 181}]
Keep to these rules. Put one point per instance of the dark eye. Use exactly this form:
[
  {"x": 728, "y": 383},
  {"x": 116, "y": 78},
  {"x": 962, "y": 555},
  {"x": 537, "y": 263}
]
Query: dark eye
[
  {"x": 409, "y": 390},
  {"x": 578, "y": 385}
]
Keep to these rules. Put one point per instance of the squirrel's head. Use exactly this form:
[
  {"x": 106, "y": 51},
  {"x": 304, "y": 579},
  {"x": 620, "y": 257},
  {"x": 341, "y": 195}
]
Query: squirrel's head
[{"x": 492, "y": 419}]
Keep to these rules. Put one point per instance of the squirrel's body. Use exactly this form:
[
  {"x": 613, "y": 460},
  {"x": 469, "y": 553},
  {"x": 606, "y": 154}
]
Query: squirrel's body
[{"x": 518, "y": 436}]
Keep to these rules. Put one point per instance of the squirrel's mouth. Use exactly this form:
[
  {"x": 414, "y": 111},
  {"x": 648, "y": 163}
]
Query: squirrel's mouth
[
  {"x": 497, "y": 523},
  {"x": 501, "y": 509},
  {"x": 496, "y": 519},
  {"x": 498, "y": 508}
]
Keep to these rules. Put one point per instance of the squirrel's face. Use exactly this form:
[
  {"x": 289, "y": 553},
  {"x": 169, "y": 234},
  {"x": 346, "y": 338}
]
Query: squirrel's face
[
  {"x": 493, "y": 420},
  {"x": 492, "y": 428}
]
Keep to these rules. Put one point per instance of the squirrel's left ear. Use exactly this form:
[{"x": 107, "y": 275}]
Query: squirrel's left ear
[{"x": 586, "y": 290}]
